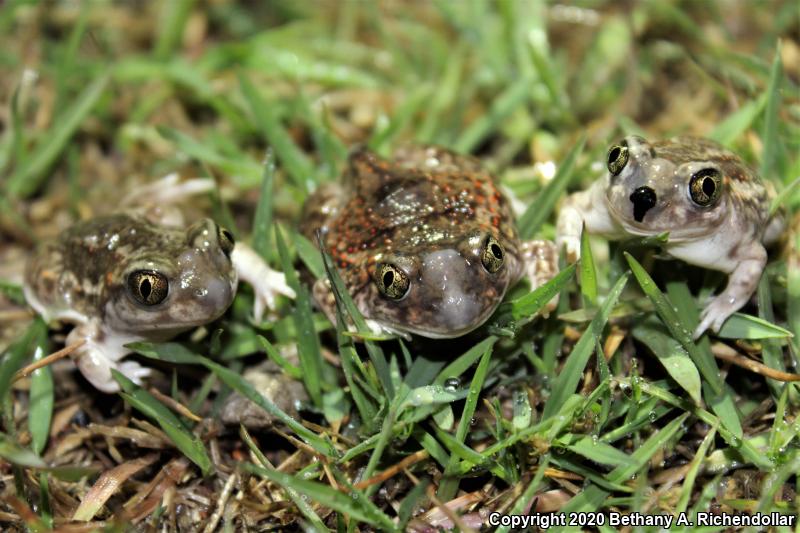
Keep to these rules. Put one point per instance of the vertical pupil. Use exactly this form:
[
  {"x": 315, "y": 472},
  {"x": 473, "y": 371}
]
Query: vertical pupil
[
  {"x": 145, "y": 288},
  {"x": 496, "y": 251},
  {"x": 388, "y": 278},
  {"x": 613, "y": 155},
  {"x": 708, "y": 186}
]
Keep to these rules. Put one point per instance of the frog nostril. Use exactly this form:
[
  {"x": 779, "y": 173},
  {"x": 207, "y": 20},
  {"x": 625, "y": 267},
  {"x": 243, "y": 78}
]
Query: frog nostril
[{"x": 643, "y": 199}]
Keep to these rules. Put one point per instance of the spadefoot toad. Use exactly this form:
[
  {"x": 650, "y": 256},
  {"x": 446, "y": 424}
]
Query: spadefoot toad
[
  {"x": 715, "y": 208},
  {"x": 125, "y": 277},
  {"x": 424, "y": 242}
]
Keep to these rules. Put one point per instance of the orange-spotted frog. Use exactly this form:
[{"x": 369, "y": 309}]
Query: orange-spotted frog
[{"x": 425, "y": 242}]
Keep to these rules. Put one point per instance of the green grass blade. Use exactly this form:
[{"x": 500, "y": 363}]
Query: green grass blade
[
  {"x": 543, "y": 205},
  {"x": 506, "y": 103},
  {"x": 27, "y": 179},
  {"x": 309, "y": 254},
  {"x": 308, "y": 346},
  {"x": 178, "y": 354},
  {"x": 262, "y": 221},
  {"x": 672, "y": 356},
  {"x": 462, "y": 363},
  {"x": 742, "y": 326},
  {"x": 570, "y": 375},
  {"x": 298, "y": 499},
  {"x": 42, "y": 398},
  {"x": 174, "y": 16},
  {"x": 354, "y": 505},
  {"x": 676, "y": 325},
  {"x": 293, "y": 159},
  {"x": 599, "y": 452},
  {"x": 449, "y": 484},
  {"x": 588, "y": 271},
  {"x": 246, "y": 173},
  {"x": 738, "y": 122},
  {"x": 694, "y": 470},
  {"x": 15, "y": 355},
  {"x": 527, "y": 306},
  {"x": 770, "y": 137},
  {"x": 188, "y": 443},
  {"x": 721, "y": 402},
  {"x": 240, "y": 385}
]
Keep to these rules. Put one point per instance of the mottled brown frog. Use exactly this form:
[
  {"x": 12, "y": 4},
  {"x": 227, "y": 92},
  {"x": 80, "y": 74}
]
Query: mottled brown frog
[{"x": 425, "y": 242}]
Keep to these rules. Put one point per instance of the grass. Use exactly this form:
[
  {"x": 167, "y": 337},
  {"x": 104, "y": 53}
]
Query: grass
[{"x": 606, "y": 404}]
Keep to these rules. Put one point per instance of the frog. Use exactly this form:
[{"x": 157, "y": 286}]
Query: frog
[
  {"x": 141, "y": 274},
  {"x": 424, "y": 241},
  {"x": 713, "y": 207}
]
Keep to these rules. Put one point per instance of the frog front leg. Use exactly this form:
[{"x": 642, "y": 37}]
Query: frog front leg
[
  {"x": 101, "y": 353},
  {"x": 540, "y": 262},
  {"x": 267, "y": 283},
  {"x": 742, "y": 282},
  {"x": 585, "y": 208}
]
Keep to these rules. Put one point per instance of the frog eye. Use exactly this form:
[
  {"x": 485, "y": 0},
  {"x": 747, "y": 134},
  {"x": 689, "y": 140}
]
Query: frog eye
[
  {"x": 617, "y": 158},
  {"x": 392, "y": 282},
  {"x": 493, "y": 255},
  {"x": 704, "y": 186},
  {"x": 148, "y": 287},
  {"x": 226, "y": 240}
]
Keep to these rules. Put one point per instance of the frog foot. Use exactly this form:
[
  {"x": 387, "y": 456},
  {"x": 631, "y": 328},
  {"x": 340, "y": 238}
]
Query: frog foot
[
  {"x": 100, "y": 354},
  {"x": 541, "y": 264},
  {"x": 715, "y": 314},
  {"x": 157, "y": 201},
  {"x": 570, "y": 245},
  {"x": 267, "y": 283}
]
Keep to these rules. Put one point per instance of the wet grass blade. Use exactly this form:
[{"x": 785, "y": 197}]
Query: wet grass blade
[
  {"x": 677, "y": 327},
  {"x": 347, "y": 308},
  {"x": 449, "y": 484},
  {"x": 27, "y": 179},
  {"x": 566, "y": 382},
  {"x": 462, "y": 363},
  {"x": 530, "y": 304},
  {"x": 722, "y": 402},
  {"x": 672, "y": 356},
  {"x": 543, "y": 205},
  {"x": 188, "y": 443},
  {"x": 592, "y": 497},
  {"x": 598, "y": 452}
]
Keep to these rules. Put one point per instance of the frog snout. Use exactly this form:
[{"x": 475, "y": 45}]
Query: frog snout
[
  {"x": 643, "y": 199},
  {"x": 450, "y": 288}
]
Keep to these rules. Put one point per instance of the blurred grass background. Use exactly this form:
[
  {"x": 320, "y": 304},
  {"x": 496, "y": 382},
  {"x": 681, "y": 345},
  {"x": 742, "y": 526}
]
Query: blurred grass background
[{"x": 100, "y": 96}]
